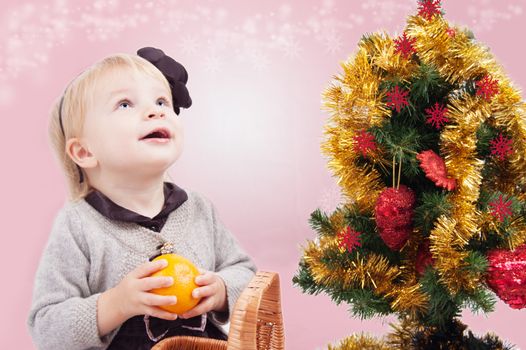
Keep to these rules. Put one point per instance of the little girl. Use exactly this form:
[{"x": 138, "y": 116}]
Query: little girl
[{"x": 116, "y": 132}]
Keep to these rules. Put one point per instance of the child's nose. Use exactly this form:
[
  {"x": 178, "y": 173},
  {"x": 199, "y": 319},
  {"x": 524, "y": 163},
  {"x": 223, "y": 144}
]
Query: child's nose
[{"x": 156, "y": 113}]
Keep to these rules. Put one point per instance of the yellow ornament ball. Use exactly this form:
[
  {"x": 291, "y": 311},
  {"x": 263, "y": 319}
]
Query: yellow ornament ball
[{"x": 183, "y": 272}]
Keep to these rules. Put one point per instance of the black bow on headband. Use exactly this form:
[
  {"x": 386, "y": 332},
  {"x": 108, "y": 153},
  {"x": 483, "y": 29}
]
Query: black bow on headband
[{"x": 174, "y": 73}]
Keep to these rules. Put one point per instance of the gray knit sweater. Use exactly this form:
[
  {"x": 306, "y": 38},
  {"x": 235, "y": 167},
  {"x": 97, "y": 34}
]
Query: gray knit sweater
[{"x": 88, "y": 253}]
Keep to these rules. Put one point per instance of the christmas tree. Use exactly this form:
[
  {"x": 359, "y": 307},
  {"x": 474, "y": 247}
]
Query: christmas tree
[{"x": 426, "y": 138}]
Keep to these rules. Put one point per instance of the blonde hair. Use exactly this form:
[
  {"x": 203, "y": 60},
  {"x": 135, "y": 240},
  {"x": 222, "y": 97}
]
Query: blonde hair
[{"x": 75, "y": 103}]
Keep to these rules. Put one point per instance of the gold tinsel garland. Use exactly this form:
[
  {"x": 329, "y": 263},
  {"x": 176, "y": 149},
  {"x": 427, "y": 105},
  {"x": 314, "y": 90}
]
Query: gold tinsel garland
[
  {"x": 360, "y": 342},
  {"x": 355, "y": 103},
  {"x": 372, "y": 272},
  {"x": 410, "y": 335},
  {"x": 458, "y": 59}
]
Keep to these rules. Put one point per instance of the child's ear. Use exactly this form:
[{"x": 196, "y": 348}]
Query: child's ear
[{"x": 80, "y": 154}]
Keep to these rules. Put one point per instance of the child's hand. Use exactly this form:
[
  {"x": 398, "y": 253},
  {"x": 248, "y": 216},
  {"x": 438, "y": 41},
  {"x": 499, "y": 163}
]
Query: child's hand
[
  {"x": 132, "y": 297},
  {"x": 212, "y": 290}
]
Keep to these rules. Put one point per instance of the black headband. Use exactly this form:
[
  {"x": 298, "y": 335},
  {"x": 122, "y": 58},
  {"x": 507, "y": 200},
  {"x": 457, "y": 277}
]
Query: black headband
[
  {"x": 81, "y": 176},
  {"x": 172, "y": 70}
]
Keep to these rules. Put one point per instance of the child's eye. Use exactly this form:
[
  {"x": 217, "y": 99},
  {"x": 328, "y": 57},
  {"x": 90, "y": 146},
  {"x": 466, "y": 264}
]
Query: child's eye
[
  {"x": 163, "y": 102},
  {"x": 124, "y": 104}
]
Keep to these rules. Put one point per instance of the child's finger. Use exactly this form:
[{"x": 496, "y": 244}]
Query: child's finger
[
  {"x": 206, "y": 278},
  {"x": 152, "y": 299},
  {"x": 148, "y": 268},
  {"x": 203, "y": 307},
  {"x": 203, "y": 292},
  {"x": 149, "y": 283}
]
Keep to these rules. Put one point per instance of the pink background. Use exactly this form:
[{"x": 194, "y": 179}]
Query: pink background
[{"x": 257, "y": 70}]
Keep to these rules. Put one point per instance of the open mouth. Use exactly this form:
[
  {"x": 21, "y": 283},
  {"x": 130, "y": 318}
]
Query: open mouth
[{"x": 157, "y": 134}]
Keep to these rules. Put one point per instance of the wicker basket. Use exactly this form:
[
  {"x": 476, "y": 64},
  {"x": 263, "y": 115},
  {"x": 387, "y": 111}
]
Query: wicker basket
[{"x": 256, "y": 322}]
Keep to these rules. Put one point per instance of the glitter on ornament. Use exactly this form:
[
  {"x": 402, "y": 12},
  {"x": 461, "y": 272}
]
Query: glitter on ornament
[
  {"x": 394, "y": 216},
  {"x": 506, "y": 275}
]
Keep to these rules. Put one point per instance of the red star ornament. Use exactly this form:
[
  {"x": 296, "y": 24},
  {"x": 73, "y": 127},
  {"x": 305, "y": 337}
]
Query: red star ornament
[
  {"x": 404, "y": 46},
  {"x": 437, "y": 115},
  {"x": 397, "y": 98},
  {"x": 500, "y": 208},
  {"x": 429, "y": 8},
  {"x": 349, "y": 239},
  {"x": 501, "y": 147},
  {"x": 487, "y": 87},
  {"x": 364, "y": 142}
]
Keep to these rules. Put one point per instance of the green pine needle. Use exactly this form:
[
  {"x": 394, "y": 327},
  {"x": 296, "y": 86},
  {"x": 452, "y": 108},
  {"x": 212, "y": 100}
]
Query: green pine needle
[
  {"x": 442, "y": 308},
  {"x": 320, "y": 222},
  {"x": 433, "y": 205}
]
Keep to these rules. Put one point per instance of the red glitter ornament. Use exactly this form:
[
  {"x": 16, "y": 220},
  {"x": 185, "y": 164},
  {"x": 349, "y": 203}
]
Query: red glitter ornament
[
  {"x": 501, "y": 147},
  {"x": 394, "y": 216},
  {"x": 507, "y": 275},
  {"x": 429, "y": 8},
  {"x": 435, "y": 169},
  {"x": 364, "y": 142},
  {"x": 501, "y": 209},
  {"x": 397, "y": 98},
  {"x": 423, "y": 258},
  {"x": 349, "y": 239},
  {"x": 437, "y": 115},
  {"x": 404, "y": 46},
  {"x": 452, "y": 32},
  {"x": 487, "y": 87}
]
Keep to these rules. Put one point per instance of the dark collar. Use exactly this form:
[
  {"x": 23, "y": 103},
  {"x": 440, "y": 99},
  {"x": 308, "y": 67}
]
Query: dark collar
[{"x": 174, "y": 196}]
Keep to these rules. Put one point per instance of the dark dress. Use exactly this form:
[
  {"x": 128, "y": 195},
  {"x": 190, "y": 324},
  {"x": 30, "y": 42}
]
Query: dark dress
[{"x": 133, "y": 333}]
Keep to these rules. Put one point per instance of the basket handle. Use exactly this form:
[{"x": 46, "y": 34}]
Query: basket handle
[{"x": 257, "y": 321}]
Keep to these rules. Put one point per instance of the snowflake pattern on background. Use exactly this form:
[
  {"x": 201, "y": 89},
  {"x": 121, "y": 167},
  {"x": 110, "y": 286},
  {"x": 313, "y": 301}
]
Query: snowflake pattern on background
[
  {"x": 437, "y": 115},
  {"x": 349, "y": 239},
  {"x": 32, "y": 32},
  {"x": 487, "y": 87},
  {"x": 397, "y": 98},
  {"x": 501, "y": 147},
  {"x": 501, "y": 209},
  {"x": 364, "y": 142},
  {"x": 485, "y": 15},
  {"x": 386, "y": 11},
  {"x": 331, "y": 198}
]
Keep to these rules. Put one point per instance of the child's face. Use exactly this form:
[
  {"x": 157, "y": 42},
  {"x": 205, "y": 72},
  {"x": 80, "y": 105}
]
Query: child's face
[{"x": 127, "y": 106}]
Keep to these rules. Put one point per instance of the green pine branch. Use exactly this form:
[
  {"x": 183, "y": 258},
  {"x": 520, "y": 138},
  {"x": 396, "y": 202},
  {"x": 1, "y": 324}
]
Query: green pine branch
[
  {"x": 442, "y": 308},
  {"x": 432, "y": 206},
  {"x": 303, "y": 279},
  {"x": 428, "y": 87},
  {"x": 320, "y": 222}
]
